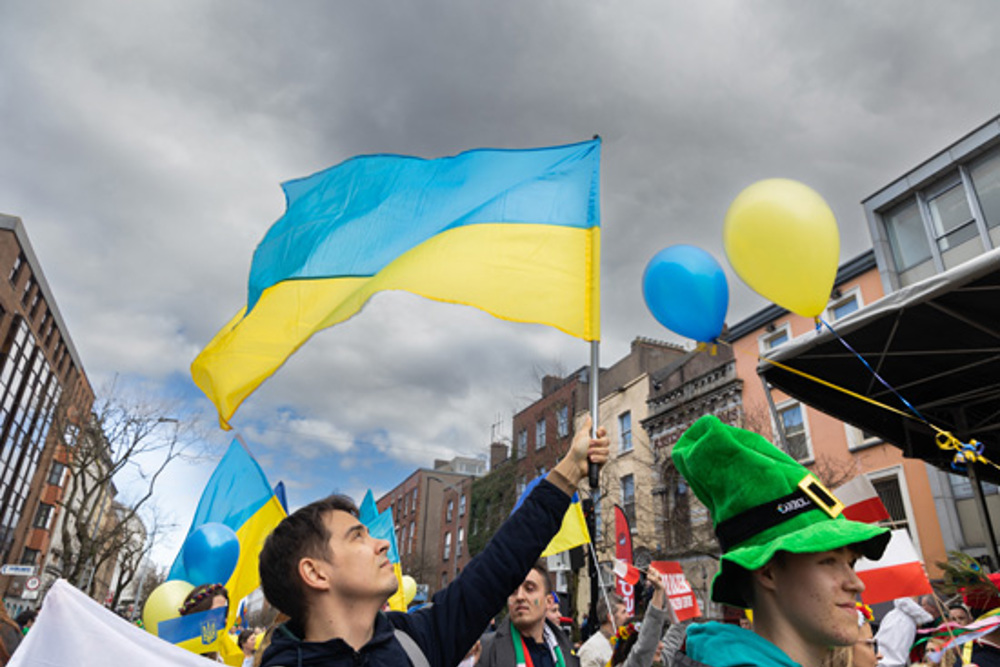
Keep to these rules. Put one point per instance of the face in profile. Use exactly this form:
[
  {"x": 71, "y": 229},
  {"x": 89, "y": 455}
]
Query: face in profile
[
  {"x": 866, "y": 652},
  {"x": 817, "y": 593}
]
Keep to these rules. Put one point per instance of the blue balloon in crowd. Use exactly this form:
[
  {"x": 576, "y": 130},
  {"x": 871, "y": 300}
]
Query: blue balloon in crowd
[
  {"x": 210, "y": 554},
  {"x": 686, "y": 291}
]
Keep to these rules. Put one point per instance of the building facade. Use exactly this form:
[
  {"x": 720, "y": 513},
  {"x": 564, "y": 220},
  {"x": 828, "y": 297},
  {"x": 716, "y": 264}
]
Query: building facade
[
  {"x": 419, "y": 511},
  {"x": 41, "y": 382},
  {"x": 935, "y": 216}
]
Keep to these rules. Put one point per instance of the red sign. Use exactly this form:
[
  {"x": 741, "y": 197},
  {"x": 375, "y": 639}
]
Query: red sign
[
  {"x": 678, "y": 590},
  {"x": 623, "y": 552}
]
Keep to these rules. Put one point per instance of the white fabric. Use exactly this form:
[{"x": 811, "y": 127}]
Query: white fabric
[
  {"x": 898, "y": 630},
  {"x": 596, "y": 651},
  {"x": 75, "y": 631}
]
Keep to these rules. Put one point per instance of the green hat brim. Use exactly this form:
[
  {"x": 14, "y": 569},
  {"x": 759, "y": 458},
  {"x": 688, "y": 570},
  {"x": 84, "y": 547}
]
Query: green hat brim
[{"x": 869, "y": 539}]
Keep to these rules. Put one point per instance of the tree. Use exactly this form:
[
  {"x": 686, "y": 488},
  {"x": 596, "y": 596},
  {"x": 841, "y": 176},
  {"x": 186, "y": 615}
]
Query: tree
[{"x": 124, "y": 436}]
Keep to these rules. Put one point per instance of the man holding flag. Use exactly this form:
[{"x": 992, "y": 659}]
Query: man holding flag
[{"x": 322, "y": 568}]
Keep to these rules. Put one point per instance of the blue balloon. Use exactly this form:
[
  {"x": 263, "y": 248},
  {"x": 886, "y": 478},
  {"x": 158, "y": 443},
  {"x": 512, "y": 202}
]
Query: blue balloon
[
  {"x": 686, "y": 291},
  {"x": 210, "y": 554}
]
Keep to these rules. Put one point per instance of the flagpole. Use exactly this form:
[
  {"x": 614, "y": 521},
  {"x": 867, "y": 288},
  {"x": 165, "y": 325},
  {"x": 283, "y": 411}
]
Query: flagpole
[{"x": 593, "y": 470}]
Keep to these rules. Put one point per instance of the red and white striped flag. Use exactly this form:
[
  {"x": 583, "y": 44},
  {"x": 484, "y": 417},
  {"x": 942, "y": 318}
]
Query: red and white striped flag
[
  {"x": 626, "y": 571},
  {"x": 861, "y": 501},
  {"x": 898, "y": 574}
]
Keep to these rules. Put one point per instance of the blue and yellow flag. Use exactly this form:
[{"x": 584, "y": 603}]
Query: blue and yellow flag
[
  {"x": 572, "y": 533},
  {"x": 381, "y": 526},
  {"x": 515, "y": 233},
  {"x": 204, "y": 632},
  {"x": 239, "y": 496}
]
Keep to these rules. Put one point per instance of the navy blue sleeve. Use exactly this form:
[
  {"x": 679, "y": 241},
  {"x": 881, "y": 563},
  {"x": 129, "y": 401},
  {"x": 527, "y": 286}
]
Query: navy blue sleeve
[{"x": 460, "y": 612}]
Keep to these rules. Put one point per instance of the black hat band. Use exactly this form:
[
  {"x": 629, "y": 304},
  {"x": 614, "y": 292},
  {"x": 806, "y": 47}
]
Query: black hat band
[{"x": 809, "y": 495}]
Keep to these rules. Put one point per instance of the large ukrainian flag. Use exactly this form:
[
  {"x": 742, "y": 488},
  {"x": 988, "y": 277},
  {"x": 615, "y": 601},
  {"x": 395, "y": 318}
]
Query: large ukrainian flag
[
  {"x": 515, "y": 233},
  {"x": 239, "y": 496}
]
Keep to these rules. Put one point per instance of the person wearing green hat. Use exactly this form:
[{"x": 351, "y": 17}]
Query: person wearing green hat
[{"x": 787, "y": 552}]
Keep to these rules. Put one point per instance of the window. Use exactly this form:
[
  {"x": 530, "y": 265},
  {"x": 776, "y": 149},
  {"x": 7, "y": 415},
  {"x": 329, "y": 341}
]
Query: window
[
  {"x": 413, "y": 501},
  {"x": 27, "y": 291},
  {"x": 952, "y": 222},
  {"x": 540, "y": 471},
  {"x": 985, "y": 176},
  {"x": 891, "y": 495},
  {"x": 962, "y": 487},
  {"x": 562, "y": 421},
  {"x": 447, "y": 545},
  {"x": 444, "y": 579},
  {"x": 843, "y": 306},
  {"x": 449, "y": 511},
  {"x": 56, "y": 474},
  {"x": 43, "y": 515},
  {"x": 778, "y": 336},
  {"x": 70, "y": 435},
  {"x": 522, "y": 443},
  {"x": 458, "y": 542},
  {"x": 907, "y": 237},
  {"x": 15, "y": 271},
  {"x": 461, "y": 505},
  {"x": 858, "y": 438},
  {"x": 625, "y": 432},
  {"x": 796, "y": 436},
  {"x": 29, "y": 557},
  {"x": 413, "y": 538},
  {"x": 520, "y": 485},
  {"x": 540, "y": 433},
  {"x": 628, "y": 498}
]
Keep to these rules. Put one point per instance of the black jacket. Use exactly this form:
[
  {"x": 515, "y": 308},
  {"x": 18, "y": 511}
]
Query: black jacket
[{"x": 446, "y": 629}]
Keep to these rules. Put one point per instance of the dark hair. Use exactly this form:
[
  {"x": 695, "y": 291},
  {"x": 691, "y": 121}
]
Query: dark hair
[
  {"x": 25, "y": 617},
  {"x": 243, "y": 637},
  {"x": 302, "y": 534},
  {"x": 624, "y": 644},
  {"x": 200, "y": 599},
  {"x": 541, "y": 568}
]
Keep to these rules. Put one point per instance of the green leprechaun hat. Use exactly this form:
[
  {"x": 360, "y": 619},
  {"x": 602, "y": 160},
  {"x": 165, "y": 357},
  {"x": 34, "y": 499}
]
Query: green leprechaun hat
[{"x": 762, "y": 501}]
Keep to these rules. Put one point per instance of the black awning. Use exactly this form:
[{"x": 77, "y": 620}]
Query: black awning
[{"x": 936, "y": 342}]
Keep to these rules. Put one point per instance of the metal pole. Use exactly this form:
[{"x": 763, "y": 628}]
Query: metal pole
[
  {"x": 984, "y": 515},
  {"x": 778, "y": 423},
  {"x": 593, "y": 470}
]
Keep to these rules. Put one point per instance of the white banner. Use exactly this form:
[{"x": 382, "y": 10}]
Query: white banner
[{"x": 75, "y": 631}]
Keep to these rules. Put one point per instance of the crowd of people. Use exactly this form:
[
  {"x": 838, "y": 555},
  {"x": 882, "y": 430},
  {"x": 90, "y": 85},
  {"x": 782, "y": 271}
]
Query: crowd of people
[{"x": 788, "y": 557}]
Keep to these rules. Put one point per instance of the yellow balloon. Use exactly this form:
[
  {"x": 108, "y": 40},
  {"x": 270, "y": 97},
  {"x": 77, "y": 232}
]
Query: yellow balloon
[
  {"x": 781, "y": 238},
  {"x": 164, "y": 603},
  {"x": 409, "y": 588}
]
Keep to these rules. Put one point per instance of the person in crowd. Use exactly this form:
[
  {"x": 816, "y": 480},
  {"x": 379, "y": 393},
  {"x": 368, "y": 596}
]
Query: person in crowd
[
  {"x": 26, "y": 619},
  {"x": 527, "y": 633},
  {"x": 641, "y": 652},
  {"x": 959, "y": 613},
  {"x": 10, "y": 636},
  {"x": 204, "y": 598},
  {"x": 596, "y": 651},
  {"x": 247, "y": 641},
  {"x": 787, "y": 552},
  {"x": 898, "y": 629},
  {"x": 864, "y": 652},
  {"x": 322, "y": 568}
]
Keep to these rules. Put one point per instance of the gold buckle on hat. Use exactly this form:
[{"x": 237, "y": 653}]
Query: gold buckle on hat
[{"x": 820, "y": 495}]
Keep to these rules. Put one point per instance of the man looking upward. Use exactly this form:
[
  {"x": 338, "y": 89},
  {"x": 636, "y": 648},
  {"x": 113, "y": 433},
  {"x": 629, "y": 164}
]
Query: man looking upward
[{"x": 322, "y": 568}]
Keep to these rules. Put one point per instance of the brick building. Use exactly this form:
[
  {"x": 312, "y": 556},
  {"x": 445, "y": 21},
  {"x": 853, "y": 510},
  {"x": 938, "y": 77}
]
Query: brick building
[{"x": 41, "y": 381}]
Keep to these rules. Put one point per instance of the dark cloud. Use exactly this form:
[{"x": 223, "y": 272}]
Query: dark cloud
[{"x": 144, "y": 144}]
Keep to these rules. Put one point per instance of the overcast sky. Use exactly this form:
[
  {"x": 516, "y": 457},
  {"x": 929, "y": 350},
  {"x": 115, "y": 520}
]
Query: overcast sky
[{"x": 143, "y": 144}]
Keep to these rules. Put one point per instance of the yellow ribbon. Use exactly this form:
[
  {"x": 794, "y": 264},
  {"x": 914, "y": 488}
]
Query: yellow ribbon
[{"x": 944, "y": 439}]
